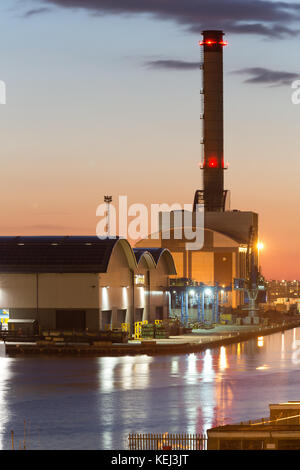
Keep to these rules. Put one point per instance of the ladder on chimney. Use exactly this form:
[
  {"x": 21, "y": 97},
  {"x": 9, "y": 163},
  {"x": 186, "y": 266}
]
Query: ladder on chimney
[{"x": 201, "y": 105}]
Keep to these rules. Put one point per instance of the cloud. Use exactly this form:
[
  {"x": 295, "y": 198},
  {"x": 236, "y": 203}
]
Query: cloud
[
  {"x": 261, "y": 17},
  {"x": 267, "y": 76},
  {"x": 36, "y": 11},
  {"x": 170, "y": 64}
]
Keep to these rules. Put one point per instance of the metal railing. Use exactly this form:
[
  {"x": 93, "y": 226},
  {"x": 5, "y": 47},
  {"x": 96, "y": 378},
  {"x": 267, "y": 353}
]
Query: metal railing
[
  {"x": 251, "y": 422},
  {"x": 268, "y": 420},
  {"x": 167, "y": 441}
]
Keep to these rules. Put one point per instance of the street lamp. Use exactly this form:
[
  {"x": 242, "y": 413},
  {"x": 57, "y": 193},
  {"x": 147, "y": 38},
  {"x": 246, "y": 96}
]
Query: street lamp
[{"x": 260, "y": 246}]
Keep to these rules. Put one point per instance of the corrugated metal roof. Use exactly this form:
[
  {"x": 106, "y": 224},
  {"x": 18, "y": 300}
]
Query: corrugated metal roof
[
  {"x": 155, "y": 253},
  {"x": 55, "y": 254}
]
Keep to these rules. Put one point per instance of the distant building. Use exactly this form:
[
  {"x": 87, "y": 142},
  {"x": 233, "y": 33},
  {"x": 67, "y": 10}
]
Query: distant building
[{"x": 282, "y": 290}]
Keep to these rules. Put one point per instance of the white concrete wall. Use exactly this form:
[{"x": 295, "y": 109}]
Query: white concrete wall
[
  {"x": 68, "y": 291},
  {"x": 54, "y": 291},
  {"x": 158, "y": 296},
  {"x": 17, "y": 290},
  {"x": 141, "y": 294},
  {"x": 115, "y": 286}
]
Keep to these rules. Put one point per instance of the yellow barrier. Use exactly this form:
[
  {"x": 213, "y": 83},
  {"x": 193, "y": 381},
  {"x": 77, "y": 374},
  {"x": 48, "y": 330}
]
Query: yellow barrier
[
  {"x": 226, "y": 317},
  {"x": 125, "y": 327},
  {"x": 137, "y": 329}
]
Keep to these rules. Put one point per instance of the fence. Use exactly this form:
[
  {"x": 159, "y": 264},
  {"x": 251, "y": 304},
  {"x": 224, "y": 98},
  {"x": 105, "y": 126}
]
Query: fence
[{"x": 167, "y": 441}]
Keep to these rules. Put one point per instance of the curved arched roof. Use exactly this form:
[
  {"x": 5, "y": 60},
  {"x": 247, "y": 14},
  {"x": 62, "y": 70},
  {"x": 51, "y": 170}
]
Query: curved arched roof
[
  {"x": 143, "y": 254},
  {"x": 72, "y": 254},
  {"x": 166, "y": 254},
  {"x": 69, "y": 254},
  {"x": 156, "y": 254}
]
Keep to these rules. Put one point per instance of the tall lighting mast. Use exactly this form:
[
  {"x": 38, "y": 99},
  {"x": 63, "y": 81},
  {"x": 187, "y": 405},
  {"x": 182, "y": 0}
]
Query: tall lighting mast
[{"x": 108, "y": 200}]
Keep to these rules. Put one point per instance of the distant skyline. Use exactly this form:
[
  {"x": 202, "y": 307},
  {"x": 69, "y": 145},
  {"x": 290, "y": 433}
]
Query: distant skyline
[{"x": 104, "y": 99}]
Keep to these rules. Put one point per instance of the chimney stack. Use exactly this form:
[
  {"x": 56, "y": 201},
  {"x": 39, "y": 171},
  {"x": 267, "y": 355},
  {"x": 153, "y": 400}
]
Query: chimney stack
[{"x": 213, "y": 195}]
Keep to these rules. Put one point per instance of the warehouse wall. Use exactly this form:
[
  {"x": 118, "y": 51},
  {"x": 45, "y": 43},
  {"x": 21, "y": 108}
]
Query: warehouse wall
[
  {"x": 106, "y": 298},
  {"x": 18, "y": 293},
  {"x": 115, "y": 288},
  {"x": 159, "y": 298},
  {"x": 141, "y": 293}
]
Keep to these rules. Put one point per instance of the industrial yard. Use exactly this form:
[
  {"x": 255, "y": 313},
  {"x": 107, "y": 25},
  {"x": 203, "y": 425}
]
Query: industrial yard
[{"x": 119, "y": 344}]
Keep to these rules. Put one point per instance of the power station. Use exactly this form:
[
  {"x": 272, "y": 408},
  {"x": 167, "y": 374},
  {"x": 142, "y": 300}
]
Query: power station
[
  {"x": 84, "y": 282},
  {"x": 228, "y": 260}
]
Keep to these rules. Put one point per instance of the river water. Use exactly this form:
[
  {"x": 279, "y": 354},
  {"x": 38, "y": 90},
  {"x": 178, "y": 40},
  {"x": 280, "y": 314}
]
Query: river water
[{"x": 94, "y": 403}]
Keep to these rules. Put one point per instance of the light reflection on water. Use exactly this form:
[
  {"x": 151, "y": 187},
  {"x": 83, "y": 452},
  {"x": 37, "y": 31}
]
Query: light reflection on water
[{"x": 94, "y": 403}]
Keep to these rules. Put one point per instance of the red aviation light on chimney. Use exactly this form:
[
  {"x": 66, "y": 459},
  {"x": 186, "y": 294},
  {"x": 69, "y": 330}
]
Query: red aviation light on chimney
[
  {"x": 210, "y": 42},
  {"x": 212, "y": 162}
]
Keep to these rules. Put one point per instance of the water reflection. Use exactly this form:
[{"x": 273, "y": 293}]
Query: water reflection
[
  {"x": 223, "y": 360},
  {"x": 282, "y": 347},
  {"x": 5, "y": 376},
  {"x": 106, "y": 373},
  {"x": 294, "y": 338},
  {"x": 191, "y": 373},
  {"x": 125, "y": 372},
  {"x": 208, "y": 371},
  {"x": 260, "y": 341},
  {"x": 174, "y": 366},
  {"x": 97, "y": 402}
]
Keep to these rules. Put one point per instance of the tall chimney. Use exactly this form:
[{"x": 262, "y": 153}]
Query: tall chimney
[{"x": 213, "y": 161}]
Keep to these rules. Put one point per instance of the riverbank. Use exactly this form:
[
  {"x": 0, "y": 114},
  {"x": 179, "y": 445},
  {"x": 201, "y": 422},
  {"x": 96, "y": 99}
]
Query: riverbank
[{"x": 197, "y": 341}]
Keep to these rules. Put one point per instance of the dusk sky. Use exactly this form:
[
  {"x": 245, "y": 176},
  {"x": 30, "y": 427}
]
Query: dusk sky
[{"x": 104, "y": 99}]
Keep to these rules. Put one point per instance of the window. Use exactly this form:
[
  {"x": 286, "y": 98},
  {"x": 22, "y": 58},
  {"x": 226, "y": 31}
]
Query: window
[
  {"x": 289, "y": 444},
  {"x": 139, "y": 314},
  {"x": 159, "y": 313},
  {"x": 253, "y": 444},
  {"x": 230, "y": 444},
  {"x": 106, "y": 318}
]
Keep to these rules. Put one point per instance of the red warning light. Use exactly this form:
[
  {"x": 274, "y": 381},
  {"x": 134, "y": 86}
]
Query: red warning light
[
  {"x": 213, "y": 162},
  {"x": 210, "y": 42}
]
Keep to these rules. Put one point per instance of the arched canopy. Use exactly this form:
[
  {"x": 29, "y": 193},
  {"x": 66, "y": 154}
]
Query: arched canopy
[
  {"x": 153, "y": 257},
  {"x": 168, "y": 258},
  {"x": 131, "y": 259},
  {"x": 141, "y": 255}
]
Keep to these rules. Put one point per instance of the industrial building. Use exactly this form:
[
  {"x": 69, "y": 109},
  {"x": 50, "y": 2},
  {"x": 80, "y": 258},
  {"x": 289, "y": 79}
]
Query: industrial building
[
  {"x": 82, "y": 282},
  {"x": 228, "y": 260},
  {"x": 86, "y": 282},
  {"x": 279, "y": 431},
  {"x": 282, "y": 290}
]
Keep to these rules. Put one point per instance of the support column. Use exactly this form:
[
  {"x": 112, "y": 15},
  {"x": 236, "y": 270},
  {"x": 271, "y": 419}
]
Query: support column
[
  {"x": 186, "y": 306},
  {"x": 199, "y": 304},
  {"x": 216, "y": 303},
  {"x": 182, "y": 306}
]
